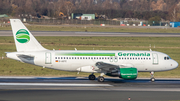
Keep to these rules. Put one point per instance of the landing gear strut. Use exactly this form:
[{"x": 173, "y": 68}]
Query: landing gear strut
[
  {"x": 152, "y": 76},
  {"x": 101, "y": 78},
  {"x": 92, "y": 77}
]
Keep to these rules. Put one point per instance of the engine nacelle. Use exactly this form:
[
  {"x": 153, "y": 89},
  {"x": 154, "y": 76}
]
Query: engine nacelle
[{"x": 124, "y": 73}]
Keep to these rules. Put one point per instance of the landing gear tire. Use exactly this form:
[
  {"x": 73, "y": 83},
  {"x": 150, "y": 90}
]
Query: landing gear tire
[
  {"x": 152, "y": 76},
  {"x": 92, "y": 77},
  {"x": 152, "y": 79},
  {"x": 100, "y": 79}
]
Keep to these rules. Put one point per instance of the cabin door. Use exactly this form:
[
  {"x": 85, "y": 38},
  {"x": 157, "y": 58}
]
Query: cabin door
[
  {"x": 155, "y": 58},
  {"x": 48, "y": 58}
]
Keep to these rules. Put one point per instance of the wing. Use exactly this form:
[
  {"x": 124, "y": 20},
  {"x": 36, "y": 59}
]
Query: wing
[{"x": 110, "y": 67}]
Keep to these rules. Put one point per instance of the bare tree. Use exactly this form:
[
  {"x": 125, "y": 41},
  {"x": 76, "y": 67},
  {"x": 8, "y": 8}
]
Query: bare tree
[{"x": 69, "y": 6}]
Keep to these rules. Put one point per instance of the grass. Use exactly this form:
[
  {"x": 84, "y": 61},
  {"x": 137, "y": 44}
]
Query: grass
[
  {"x": 96, "y": 29},
  {"x": 168, "y": 45}
]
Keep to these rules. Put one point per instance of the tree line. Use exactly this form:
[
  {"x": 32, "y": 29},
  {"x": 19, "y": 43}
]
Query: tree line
[{"x": 141, "y": 9}]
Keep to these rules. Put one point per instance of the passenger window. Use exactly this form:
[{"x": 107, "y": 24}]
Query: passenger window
[
  {"x": 66, "y": 57},
  {"x": 149, "y": 58},
  {"x": 72, "y": 58},
  {"x": 61, "y": 57},
  {"x": 91, "y": 57},
  {"x": 127, "y": 58},
  {"x": 69, "y": 57},
  {"x": 99, "y": 57},
  {"x": 119, "y": 58},
  {"x": 94, "y": 57},
  {"x": 55, "y": 57},
  {"x": 102, "y": 57}
]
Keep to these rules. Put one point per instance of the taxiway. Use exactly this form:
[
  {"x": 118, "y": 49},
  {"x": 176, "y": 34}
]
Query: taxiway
[{"x": 61, "y": 33}]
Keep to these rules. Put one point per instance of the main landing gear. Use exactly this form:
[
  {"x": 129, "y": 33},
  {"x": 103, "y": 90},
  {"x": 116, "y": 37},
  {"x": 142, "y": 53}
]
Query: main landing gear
[
  {"x": 152, "y": 76},
  {"x": 92, "y": 77},
  {"x": 100, "y": 78}
]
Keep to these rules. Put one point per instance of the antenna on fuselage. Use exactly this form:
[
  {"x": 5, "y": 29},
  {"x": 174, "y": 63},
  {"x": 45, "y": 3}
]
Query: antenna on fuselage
[
  {"x": 150, "y": 47},
  {"x": 75, "y": 49}
]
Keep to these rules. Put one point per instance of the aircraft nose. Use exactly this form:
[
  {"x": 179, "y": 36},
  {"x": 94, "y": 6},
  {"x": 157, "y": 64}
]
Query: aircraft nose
[{"x": 175, "y": 64}]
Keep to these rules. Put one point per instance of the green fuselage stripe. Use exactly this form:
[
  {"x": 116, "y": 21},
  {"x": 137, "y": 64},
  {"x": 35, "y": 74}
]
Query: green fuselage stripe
[{"x": 86, "y": 54}]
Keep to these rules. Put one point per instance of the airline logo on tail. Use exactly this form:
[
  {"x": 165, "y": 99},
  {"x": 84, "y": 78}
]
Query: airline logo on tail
[{"x": 22, "y": 36}]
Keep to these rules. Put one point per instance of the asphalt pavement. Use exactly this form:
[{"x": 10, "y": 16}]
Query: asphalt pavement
[{"x": 82, "y": 89}]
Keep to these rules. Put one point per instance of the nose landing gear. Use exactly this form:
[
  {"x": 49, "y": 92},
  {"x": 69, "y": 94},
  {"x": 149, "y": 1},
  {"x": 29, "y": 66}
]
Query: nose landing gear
[{"x": 152, "y": 76}]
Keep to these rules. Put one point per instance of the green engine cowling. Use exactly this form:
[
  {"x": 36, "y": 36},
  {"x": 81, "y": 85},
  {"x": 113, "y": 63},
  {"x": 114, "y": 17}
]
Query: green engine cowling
[
  {"x": 125, "y": 73},
  {"x": 128, "y": 73}
]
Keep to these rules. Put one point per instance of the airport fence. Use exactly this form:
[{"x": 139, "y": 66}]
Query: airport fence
[
  {"x": 94, "y": 22},
  {"x": 88, "y": 22}
]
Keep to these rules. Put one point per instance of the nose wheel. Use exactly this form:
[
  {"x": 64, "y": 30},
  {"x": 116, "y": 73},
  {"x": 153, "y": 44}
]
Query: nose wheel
[
  {"x": 152, "y": 76},
  {"x": 92, "y": 77}
]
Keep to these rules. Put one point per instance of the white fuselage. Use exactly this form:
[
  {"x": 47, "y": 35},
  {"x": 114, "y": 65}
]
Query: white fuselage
[{"x": 85, "y": 60}]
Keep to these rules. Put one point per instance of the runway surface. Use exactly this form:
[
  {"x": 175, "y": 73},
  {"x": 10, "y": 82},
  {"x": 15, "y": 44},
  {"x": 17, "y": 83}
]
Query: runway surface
[
  {"x": 80, "y": 88},
  {"x": 61, "y": 33}
]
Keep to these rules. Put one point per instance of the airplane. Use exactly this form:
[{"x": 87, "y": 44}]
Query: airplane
[{"x": 116, "y": 63}]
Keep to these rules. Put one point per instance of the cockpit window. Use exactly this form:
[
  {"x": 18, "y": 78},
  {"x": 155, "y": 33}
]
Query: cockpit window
[
  {"x": 164, "y": 58},
  {"x": 167, "y": 58}
]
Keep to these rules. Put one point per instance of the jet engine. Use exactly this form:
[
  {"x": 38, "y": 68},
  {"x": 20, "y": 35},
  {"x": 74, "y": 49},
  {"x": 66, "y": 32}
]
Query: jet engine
[{"x": 124, "y": 73}]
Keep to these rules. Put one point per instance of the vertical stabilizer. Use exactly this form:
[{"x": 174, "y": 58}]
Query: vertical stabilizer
[{"x": 23, "y": 38}]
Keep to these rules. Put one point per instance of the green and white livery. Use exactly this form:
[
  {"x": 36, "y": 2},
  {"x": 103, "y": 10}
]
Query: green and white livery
[
  {"x": 22, "y": 36},
  {"x": 117, "y": 63}
]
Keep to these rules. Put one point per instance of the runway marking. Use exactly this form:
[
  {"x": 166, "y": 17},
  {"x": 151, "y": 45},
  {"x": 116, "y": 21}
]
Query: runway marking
[{"x": 55, "y": 84}]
